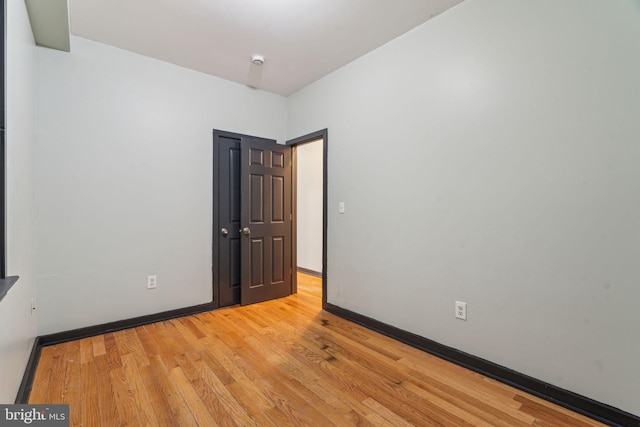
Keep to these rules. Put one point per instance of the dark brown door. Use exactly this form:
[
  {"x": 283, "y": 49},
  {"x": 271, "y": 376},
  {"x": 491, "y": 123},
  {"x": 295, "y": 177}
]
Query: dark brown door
[
  {"x": 265, "y": 221},
  {"x": 226, "y": 271},
  {"x": 251, "y": 188}
]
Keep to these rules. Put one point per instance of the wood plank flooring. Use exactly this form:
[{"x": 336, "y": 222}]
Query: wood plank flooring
[{"x": 279, "y": 363}]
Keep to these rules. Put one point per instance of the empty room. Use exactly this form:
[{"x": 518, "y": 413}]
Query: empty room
[{"x": 192, "y": 233}]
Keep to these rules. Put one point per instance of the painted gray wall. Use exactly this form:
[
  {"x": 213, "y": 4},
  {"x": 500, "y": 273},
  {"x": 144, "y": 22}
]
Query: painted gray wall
[
  {"x": 491, "y": 156},
  {"x": 309, "y": 205},
  {"x": 123, "y": 180},
  {"x": 18, "y": 326}
]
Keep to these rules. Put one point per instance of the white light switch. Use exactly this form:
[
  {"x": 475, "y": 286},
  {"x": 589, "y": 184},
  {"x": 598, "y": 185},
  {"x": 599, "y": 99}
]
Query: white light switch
[{"x": 341, "y": 207}]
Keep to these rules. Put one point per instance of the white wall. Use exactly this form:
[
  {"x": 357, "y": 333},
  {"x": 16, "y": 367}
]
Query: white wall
[
  {"x": 18, "y": 327},
  {"x": 309, "y": 205},
  {"x": 491, "y": 156},
  {"x": 123, "y": 180}
]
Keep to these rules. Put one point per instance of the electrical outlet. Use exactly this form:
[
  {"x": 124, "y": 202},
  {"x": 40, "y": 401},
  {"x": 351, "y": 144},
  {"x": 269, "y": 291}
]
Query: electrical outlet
[
  {"x": 152, "y": 282},
  {"x": 461, "y": 310}
]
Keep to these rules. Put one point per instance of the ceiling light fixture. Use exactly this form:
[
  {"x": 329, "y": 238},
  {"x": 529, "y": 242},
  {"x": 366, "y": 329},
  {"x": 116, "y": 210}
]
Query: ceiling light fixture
[{"x": 257, "y": 59}]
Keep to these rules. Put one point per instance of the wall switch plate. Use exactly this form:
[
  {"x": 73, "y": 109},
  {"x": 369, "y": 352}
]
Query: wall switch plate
[
  {"x": 341, "y": 207},
  {"x": 461, "y": 310},
  {"x": 152, "y": 282}
]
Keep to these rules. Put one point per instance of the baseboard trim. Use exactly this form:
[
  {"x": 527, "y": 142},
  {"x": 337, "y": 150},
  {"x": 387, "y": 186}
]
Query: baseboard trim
[
  {"x": 90, "y": 331},
  {"x": 310, "y": 272},
  {"x": 575, "y": 402},
  {"x": 29, "y": 372}
]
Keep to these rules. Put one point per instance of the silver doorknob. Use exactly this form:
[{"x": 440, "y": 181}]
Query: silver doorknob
[
  {"x": 224, "y": 232},
  {"x": 246, "y": 231}
]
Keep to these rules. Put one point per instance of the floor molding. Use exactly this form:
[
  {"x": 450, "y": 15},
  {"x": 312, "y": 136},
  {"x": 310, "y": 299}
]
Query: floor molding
[
  {"x": 575, "y": 402},
  {"x": 119, "y": 325},
  {"x": 310, "y": 272},
  {"x": 29, "y": 373},
  {"x": 90, "y": 331}
]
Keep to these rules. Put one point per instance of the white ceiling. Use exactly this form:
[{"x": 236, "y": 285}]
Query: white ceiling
[{"x": 301, "y": 40}]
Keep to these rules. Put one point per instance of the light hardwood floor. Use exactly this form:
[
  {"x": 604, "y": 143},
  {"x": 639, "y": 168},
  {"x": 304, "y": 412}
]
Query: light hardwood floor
[{"x": 278, "y": 363}]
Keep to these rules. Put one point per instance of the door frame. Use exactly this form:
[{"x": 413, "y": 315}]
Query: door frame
[{"x": 311, "y": 137}]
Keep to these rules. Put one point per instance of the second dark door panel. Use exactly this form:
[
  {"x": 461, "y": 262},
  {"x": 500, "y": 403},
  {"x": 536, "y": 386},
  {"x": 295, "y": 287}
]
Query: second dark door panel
[{"x": 266, "y": 221}]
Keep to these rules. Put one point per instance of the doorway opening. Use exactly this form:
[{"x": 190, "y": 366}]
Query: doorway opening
[{"x": 310, "y": 157}]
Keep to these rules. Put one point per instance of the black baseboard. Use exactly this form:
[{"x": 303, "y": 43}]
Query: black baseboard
[
  {"x": 575, "y": 402},
  {"x": 90, "y": 331},
  {"x": 119, "y": 325},
  {"x": 310, "y": 272},
  {"x": 29, "y": 373}
]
